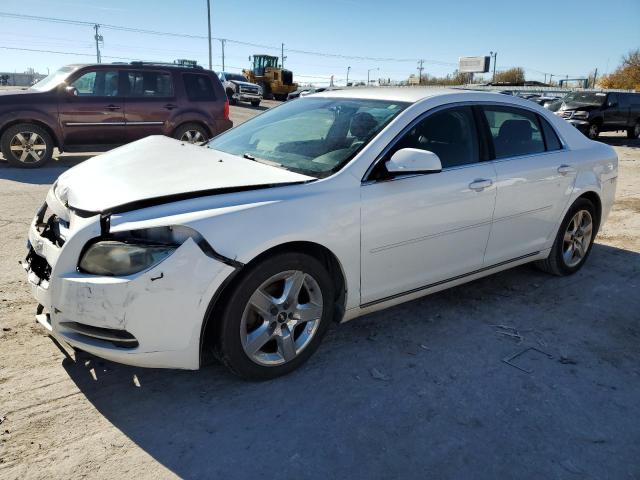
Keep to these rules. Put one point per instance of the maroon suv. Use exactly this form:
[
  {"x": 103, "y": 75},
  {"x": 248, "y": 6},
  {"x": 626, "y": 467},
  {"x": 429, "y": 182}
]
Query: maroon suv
[{"x": 97, "y": 107}]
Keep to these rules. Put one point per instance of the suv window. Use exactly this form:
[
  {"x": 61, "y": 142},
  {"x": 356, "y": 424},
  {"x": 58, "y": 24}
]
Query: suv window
[
  {"x": 514, "y": 131},
  {"x": 97, "y": 83},
  {"x": 198, "y": 87},
  {"x": 150, "y": 84},
  {"x": 612, "y": 100},
  {"x": 450, "y": 134}
]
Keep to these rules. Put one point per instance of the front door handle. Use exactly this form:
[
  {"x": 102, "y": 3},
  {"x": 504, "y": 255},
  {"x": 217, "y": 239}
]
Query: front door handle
[
  {"x": 565, "y": 169},
  {"x": 113, "y": 107},
  {"x": 170, "y": 106},
  {"x": 480, "y": 184}
]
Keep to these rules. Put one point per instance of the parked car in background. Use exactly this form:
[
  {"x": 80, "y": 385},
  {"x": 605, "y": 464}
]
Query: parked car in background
[
  {"x": 97, "y": 107},
  {"x": 595, "y": 112},
  {"x": 544, "y": 100},
  {"x": 238, "y": 89},
  {"x": 322, "y": 209}
]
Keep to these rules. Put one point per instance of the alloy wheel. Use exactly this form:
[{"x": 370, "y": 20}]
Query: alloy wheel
[
  {"x": 577, "y": 238},
  {"x": 28, "y": 147},
  {"x": 593, "y": 131},
  {"x": 193, "y": 136},
  {"x": 281, "y": 318}
]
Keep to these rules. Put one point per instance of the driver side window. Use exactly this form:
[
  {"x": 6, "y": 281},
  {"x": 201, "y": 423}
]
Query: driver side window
[{"x": 450, "y": 134}]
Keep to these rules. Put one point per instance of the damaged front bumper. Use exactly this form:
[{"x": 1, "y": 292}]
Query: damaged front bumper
[{"x": 150, "y": 319}]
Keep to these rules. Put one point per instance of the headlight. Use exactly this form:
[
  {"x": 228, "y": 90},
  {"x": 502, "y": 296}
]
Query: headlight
[
  {"x": 115, "y": 258},
  {"x": 581, "y": 114}
]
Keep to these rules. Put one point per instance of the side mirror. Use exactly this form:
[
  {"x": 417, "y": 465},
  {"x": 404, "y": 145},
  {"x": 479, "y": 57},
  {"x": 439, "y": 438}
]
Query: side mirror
[
  {"x": 413, "y": 160},
  {"x": 71, "y": 91}
]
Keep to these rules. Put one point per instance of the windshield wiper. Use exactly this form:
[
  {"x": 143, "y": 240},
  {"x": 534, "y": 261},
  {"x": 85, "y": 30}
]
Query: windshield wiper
[{"x": 248, "y": 156}]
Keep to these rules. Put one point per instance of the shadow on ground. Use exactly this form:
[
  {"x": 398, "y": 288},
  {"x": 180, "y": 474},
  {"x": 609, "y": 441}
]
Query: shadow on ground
[
  {"x": 416, "y": 391},
  {"x": 44, "y": 175}
]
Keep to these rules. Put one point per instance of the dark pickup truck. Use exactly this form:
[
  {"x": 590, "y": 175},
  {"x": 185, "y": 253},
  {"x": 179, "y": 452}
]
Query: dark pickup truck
[{"x": 595, "y": 112}]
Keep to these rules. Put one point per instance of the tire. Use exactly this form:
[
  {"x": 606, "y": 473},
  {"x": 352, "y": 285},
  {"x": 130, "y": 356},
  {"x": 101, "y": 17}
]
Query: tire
[
  {"x": 191, "y": 133},
  {"x": 558, "y": 263},
  {"x": 593, "y": 131},
  {"x": 634, "y": 132},
  {"x": 26, "y": 145},
  {"x": 255, "y": 103},
  {"x": 253, "y": 342},
  {"x": 232, "y": 101}
]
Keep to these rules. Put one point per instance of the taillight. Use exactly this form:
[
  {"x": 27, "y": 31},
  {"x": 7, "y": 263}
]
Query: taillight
[{"x": 226, "y": 109}]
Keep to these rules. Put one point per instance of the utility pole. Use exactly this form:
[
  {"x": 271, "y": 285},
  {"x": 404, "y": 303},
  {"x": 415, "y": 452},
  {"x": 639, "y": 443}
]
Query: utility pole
[
  {"x": 550, "y": 77},
  {"x": 282, "y": 55},
  {"x": 495, "y": 59},
  {"x": 595, "y": 76},
  {"x": 545, "y": 78},
  {"x": 99, "y": 39},
  {"x": 222, "y": 42},
  {"x": 420, "y": 68},
  {"x": 348, "y": 68},
  {"x": 209, "y": 29}
]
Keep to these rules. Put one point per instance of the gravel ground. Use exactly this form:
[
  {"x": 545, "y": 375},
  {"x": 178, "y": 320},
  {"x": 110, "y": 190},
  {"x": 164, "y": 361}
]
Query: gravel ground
[{"x": 416, "y": 391}]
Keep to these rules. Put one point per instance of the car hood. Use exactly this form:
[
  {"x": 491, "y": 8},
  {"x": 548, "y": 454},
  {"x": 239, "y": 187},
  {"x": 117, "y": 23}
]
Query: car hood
[
  {"x": 578, "y": 106},
  {"x": 159, "y": 170},
  {"x": 243, "y": 84}
]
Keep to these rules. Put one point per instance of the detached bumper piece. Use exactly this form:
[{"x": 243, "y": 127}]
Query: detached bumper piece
[{"x": 118, "y": 338}]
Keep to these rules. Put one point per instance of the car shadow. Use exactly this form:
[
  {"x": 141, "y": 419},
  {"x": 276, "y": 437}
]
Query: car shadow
[
  {"x": 620, "y": 141},
  {"x": 248, "y": 106},
  {"x": 43, "y": 175},
  {"x": 418, "y": 386}
]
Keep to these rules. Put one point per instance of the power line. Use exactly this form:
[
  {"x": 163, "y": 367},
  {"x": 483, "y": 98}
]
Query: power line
[{"x": 65, "y": 53}]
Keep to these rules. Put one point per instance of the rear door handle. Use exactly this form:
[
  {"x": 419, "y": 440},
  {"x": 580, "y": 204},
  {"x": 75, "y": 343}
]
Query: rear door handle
[
  {"x": 113, "y": 107},
  {"x": 565, "y": 169},
  {"x": 480, "y": 184},
  {"x": 170, "y": 106}
]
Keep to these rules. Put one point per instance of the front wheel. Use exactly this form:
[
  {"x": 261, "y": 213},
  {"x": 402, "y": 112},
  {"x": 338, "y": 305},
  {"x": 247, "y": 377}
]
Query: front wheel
[
  {"x": 276, "y": 316},
  {"x": 255, "y": 103},
  {"x": 634, "y": 132},
  {"x": 574, "y": 240},
  {"x": 26, "y": 145},
  {"x": 593, "y": 131}
]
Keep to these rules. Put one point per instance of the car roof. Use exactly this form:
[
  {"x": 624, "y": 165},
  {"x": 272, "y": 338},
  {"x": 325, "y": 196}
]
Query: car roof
[{"x": 394, "y": 94}]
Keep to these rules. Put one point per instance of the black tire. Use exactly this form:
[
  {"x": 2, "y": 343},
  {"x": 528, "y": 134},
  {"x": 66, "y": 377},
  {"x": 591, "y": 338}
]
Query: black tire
[
  {"x": 38, "y": 153},
  {"x": 593, "y": 131},
  {"x": 555, "y": 262},
  {"x": 229, "y": 346},
  {"x": 255, "y": 103},
  {"x": 232, "y": 101},
  {"x": 634, "y": 132},
  {"x": 183, "y": 131}
]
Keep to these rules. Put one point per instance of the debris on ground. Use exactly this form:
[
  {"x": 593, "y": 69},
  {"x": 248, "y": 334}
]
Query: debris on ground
[
  {"x": 2, "y": 418},
  {"x": 508, "y": 331},
  {"x": 378, "y": 375},
  {"x": 567, "y": 361},
  {"x": 509, "y": 360}
]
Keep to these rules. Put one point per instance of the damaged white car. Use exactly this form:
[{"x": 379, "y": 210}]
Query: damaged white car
[{"x": 164, "y": 254}]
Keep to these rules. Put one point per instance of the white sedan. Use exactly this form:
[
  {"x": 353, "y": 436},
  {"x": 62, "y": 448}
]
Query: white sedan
[{"x": 163, "y": 254}]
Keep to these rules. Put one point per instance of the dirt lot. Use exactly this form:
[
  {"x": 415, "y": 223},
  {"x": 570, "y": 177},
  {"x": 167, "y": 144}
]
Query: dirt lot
[{"x": 417, "y": 391}]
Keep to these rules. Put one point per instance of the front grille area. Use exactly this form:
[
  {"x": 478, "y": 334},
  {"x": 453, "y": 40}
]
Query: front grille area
[
  {"x": 566, "y": 114},
  {"x": 38, "y": 265},
  {"x": 49, "y": 225},
  {"x": 119, "y": 338},
  {"x": 252, "y": 90}
]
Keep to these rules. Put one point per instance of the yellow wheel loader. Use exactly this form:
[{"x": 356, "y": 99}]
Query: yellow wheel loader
[{"x": 276, "y": 82}]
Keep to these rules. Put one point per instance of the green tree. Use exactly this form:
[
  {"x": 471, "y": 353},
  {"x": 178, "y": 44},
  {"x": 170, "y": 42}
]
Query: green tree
[{"x": 627, "y": 75}]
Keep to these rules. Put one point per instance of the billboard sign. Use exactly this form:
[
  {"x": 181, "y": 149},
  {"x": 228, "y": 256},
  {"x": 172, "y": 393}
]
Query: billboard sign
[{"x": 474, "y": 64}]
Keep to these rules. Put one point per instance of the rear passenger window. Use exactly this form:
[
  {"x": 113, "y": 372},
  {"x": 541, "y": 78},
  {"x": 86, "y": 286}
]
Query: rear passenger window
[
  {"x": 514, "y": 131},
  {"x": 450, "y": 134},
  {"x": 150, "y": 84},
  {"x": 552, "y": 142},
  {"x": 199, "y": 87}
]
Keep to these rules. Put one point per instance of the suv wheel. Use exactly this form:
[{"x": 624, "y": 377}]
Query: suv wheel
[
  {"x": 26, "y": 145},
  {"x": 255, "y": 103},
  {"x": 593, "y": 131},
  {"x": 635, "y": 131},
  {"x": 276, "y": 316},
  {"x": 191, "y": 133},
  {"x": 574, "y": 240}
]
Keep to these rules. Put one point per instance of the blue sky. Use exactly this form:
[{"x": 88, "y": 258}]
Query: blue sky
[{"x": 566, "y": 37}]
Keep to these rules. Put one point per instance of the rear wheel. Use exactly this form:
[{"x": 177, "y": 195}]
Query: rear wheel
[
  {"x": 574, "y": 240},
  {"x": 276, "y": 316},
  {"x": 27, "y": 145},
  {"x": 593, "y": 131},
  {"x": 635, "y": 131},
  {"x": 191, "y": 133}
]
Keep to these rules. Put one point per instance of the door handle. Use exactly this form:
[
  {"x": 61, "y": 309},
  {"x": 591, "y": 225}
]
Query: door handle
[
  {"x": 113, "y": 107},
  {"x": 480, "y": 184},
  {"x": 565, "y": 169},
  {"x": 170, "y": 106}
]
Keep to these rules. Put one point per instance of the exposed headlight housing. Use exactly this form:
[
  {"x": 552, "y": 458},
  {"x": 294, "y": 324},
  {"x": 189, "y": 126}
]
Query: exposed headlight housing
[{"x": 580, "y": 114}]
